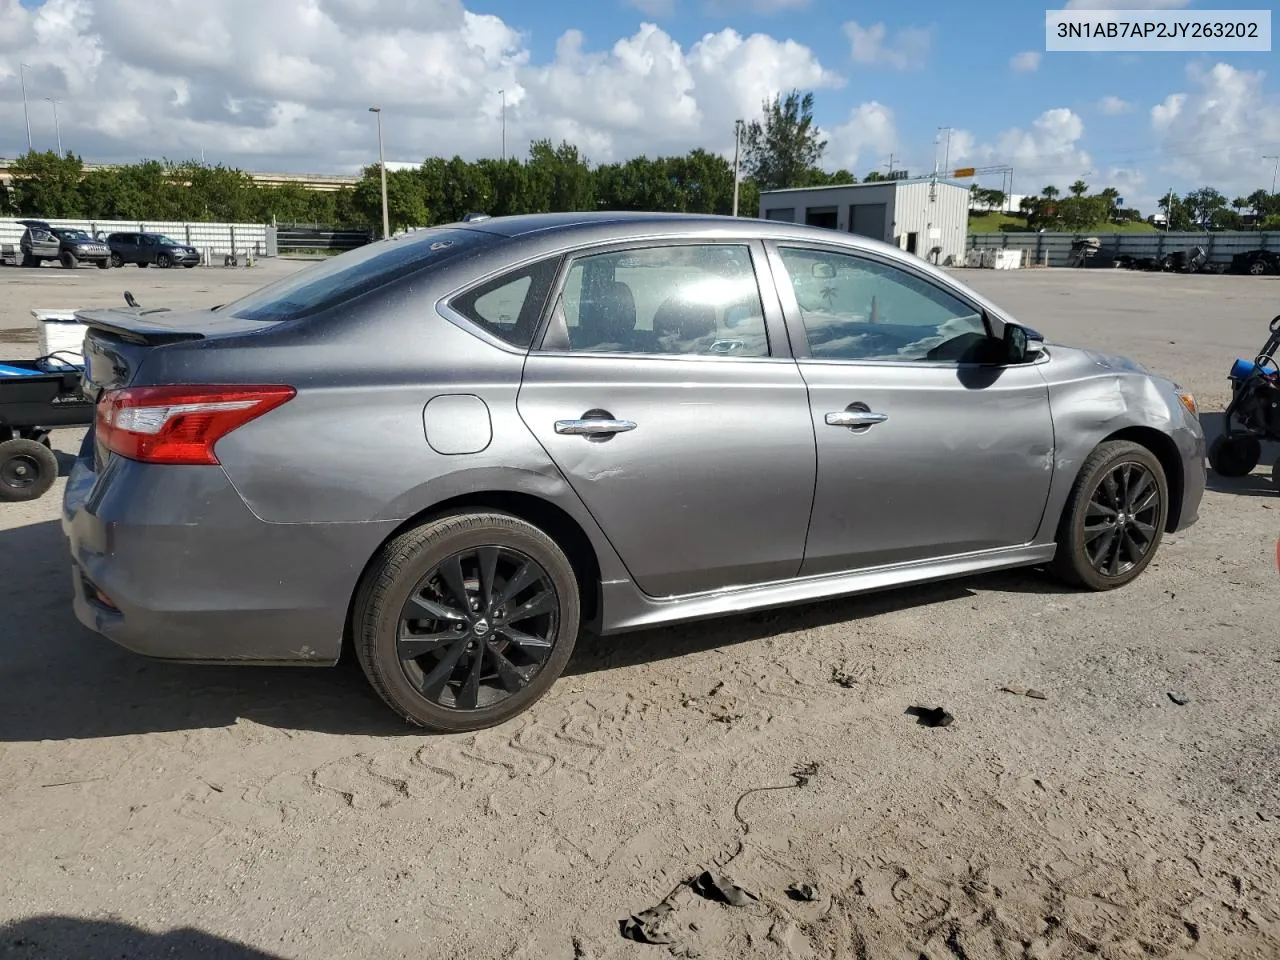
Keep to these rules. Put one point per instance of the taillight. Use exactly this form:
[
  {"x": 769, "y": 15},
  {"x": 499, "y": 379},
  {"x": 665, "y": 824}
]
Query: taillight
[{"x": 180, "y": 424}]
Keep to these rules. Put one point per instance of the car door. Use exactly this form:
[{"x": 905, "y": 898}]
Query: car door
[
  {"x": 663, "y": 390},
  {"x": 148, "y": 248},
  {"x": 44, "y": 243},
  {"x": 127, "y": 246},
  {"x": 925, "y": 449}
]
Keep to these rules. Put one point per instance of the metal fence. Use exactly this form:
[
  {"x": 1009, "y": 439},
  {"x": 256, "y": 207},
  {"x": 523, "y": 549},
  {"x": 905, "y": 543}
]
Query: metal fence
[
  {"x": 211, "y": 239},
  {"x": 319, "y": 237},
  {"x": 1054, "y": 249}
]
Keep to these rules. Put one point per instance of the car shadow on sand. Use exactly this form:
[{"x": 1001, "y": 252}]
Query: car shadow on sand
[
  {"x": 63, "y": 682},
  {"x": 1258, "y": 483},
  {"x": 80, "y": 939}
]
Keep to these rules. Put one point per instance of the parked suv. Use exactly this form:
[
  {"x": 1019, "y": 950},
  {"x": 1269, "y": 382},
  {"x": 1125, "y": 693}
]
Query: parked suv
[
  {"x": 67, "y": 245},
  {"x": 145, "y": 249}
]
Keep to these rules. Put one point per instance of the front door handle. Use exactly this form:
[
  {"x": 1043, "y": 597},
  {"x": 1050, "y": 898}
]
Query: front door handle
[
  {"x": 855, "y": 418},
  {"x": 593, "y": 427}
]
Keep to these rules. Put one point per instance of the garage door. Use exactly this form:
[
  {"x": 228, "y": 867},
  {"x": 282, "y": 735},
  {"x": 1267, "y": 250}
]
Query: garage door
[{"x": 867, "y": 219}]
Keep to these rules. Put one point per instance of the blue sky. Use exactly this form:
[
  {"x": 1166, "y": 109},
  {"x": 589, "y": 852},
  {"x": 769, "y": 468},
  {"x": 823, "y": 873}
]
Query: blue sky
[{"x": 281, "y": 86}]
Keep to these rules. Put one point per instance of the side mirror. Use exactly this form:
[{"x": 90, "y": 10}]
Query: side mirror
[{"x": 1016, "y": 344}]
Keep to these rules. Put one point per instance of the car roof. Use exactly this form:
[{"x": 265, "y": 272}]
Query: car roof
[{"x": 603, "y": 226}]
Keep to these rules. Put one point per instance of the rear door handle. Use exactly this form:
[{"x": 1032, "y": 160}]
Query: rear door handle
[
  {"x": 855, "y": 418},
  {"x": 594, "y": 427}
]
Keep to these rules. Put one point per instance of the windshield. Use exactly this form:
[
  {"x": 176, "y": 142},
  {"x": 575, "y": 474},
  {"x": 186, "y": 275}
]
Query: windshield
[
  {"x": 166, "y": 241},
  {"x": 68, "y": 234},
  {"x": 349, "y": 275}
]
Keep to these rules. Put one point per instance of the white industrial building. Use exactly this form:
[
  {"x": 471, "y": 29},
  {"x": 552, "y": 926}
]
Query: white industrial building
[{"x": 927, "y": 217}]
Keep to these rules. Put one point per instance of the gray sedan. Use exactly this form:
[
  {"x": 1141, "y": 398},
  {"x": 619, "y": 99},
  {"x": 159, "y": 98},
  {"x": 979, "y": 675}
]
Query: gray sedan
[{"x": 452, "y": 451}]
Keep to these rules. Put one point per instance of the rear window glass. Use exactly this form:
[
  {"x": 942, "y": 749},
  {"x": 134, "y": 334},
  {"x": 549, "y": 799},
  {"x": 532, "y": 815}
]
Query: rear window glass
[{"x": 350, "y": 275}]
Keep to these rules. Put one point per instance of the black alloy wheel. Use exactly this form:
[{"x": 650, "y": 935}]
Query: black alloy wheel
[
  {"x": 1114, "y": 518},
  {"x": 478, "y": 627},
  {"x": 464, "y": 622}
]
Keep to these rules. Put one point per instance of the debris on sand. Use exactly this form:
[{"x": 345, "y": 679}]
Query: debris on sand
[
  {"x": 1020, "y": 691},
  {"x": 931, "y": 716},
  {"x": 843, "y": 678},
  {"x": 804, "y": 892},
  {"x": 1181, "y": 699},
  {"x": 648, "y": 926},
  {"x": 712, "y": 886}
]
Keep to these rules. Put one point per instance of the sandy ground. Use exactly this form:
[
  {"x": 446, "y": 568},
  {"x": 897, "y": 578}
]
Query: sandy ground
[{"x": 149, "y": 809}]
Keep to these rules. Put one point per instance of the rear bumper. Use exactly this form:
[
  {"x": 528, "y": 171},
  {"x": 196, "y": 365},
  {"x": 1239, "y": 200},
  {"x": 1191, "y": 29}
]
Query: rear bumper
[{"x": 189, "y": 573}]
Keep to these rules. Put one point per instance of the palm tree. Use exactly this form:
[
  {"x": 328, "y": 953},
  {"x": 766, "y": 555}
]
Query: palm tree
[
  {"x": 1110, "y": 195},
  {"x": 1050, "y": 192},
  {"x": 1079, "y": 188}
]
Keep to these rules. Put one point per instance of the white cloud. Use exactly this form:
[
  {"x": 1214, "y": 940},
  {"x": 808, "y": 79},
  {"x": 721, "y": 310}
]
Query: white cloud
[
  {"x": 866, "y": 137},
  {"x": 1114, "y": 106},
  {"x": 907, "y": 49},
  {"x": 1126, "y": 4},
  {"x": 1048, "y": 152},
  {"x": 1026, "y": 62},
  {"x": 654, "y": 8},
  {"x": 285, "y": 85},
  {"x": 1218, "y": 132}
]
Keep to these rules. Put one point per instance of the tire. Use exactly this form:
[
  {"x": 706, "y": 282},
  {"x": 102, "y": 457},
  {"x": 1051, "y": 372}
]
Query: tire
[
  {"x": 29, "y": 261},
  {"x": 142, "y": 265},
  {"x": 1258, "y": 268},
  {"x": 68, "y": 260},
  {"x": 188, "y": 266},
  {"x": 1082, "y": 560},
  {"x": 1275, "y": 474},
  {"x": 409, "y": 565},
  {"x": 1234, "y": 456},
  {"x": 117, "y": 261},
  {"x": 104, "y": 264},
  {"x": 28, "y": 469},
  {"x": 164, "y": 262}
]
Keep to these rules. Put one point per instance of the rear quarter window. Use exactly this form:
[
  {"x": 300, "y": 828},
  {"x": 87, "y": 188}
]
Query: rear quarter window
[
  {"x": 334, "y": 282},
  {"x": 510, "y": 306}
]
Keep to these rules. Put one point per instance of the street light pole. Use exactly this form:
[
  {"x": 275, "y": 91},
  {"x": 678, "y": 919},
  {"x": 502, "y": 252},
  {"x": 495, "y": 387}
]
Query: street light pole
[
  {"x": 382, "y": 162},
  {"x": 25, "y": 116},
  {"x": 57, "y": 129},
  {"x": 1274, "y": 171},
  {"x": 503, "y": 91},
  {"x": 737, "y": 143}
]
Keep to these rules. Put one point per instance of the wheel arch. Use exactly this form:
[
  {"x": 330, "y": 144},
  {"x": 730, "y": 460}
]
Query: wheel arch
[
  {"x": 547, "y": 516},
  {"x": 1165, "y": 450}
]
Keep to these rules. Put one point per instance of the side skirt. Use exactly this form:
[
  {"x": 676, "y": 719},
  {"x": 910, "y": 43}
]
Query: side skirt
[{"x": 626, "y": 608}]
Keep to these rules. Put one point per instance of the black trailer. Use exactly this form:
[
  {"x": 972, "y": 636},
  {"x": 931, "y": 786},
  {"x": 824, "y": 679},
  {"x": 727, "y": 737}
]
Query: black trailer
[{"x": 36, "y": 396}]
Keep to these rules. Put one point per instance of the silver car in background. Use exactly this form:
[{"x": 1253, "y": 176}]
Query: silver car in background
[{"x": 457, "y": 448}]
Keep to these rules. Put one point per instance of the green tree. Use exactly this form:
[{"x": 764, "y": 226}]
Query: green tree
[
  {"x": 1204, "y": 203},
  {"x": 406, "y": 198},
  {"x": 560, "y": 179},
  {"x": 47, "y": 185},
  {"x": 1079, "y": 188},
  {"x": 783, "y": 149}
]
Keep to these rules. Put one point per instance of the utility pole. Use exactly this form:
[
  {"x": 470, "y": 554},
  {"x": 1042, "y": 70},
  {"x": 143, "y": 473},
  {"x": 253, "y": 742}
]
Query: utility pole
[
  {"x": 890, "y": 166},
  {"x": 382, "y": 162},
  {"x": 22, "y": 77},
  {"x": 57, "y": 129},
  {"x": 503, "y": 91},
  {"x": 946, "y": 162},
  {"x": 1168, "y": 211},
  {"x": 1274, "y": 171},
  {"x": 737, "y": 143}
]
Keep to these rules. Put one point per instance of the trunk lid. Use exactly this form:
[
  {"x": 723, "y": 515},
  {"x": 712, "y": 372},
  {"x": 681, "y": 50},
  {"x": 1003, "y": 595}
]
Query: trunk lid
[{"x": 118, "y": 339}]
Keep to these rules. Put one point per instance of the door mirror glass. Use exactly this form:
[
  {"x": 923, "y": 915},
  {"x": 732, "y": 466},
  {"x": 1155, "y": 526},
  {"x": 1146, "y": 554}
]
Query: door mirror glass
[{"x": 1015, "y": 343}]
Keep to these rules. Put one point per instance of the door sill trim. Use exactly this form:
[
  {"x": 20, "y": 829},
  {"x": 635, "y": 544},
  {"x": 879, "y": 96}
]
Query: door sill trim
[{"x": 625, "y": 608}]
